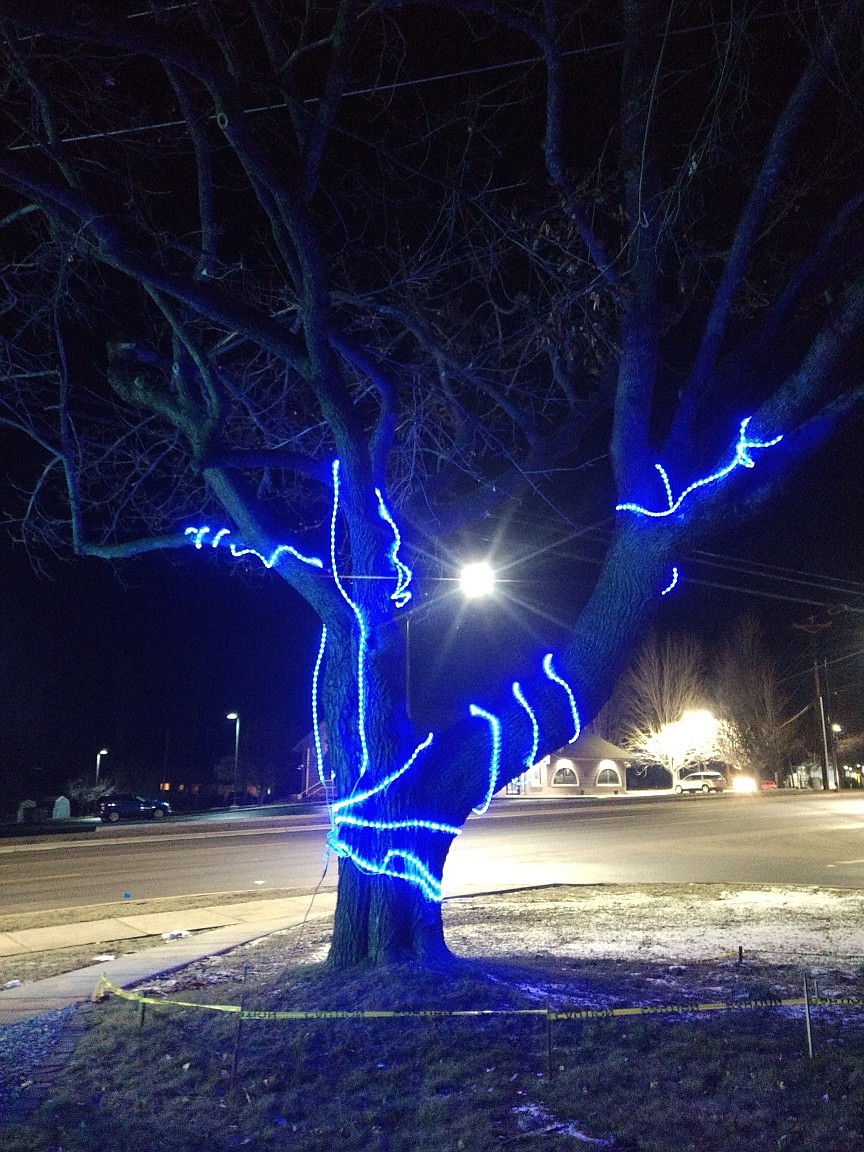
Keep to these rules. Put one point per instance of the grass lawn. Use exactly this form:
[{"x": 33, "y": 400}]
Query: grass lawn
[{"x": 739, "y": 1080}]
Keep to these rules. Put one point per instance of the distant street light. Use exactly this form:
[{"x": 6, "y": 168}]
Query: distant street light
[
  {"x": 236, "y": 718},
  {"x": 102, "y": 752},
  {"x": 477, "y": 579}
]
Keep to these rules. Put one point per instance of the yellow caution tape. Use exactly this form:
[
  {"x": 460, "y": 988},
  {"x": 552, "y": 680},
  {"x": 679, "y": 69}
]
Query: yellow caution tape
[{"x": 106, "y": 988}]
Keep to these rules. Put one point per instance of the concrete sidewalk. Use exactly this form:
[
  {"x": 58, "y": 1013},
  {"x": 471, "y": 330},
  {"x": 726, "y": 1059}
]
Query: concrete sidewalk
[{"x": 215, "y": 929}]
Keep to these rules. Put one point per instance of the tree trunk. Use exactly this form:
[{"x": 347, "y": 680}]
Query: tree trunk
[{"x": 380, "y": 919}]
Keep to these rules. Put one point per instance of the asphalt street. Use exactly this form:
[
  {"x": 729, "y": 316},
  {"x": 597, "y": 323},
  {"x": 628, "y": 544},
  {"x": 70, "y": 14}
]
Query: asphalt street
[{"x": 787, "y": 838}]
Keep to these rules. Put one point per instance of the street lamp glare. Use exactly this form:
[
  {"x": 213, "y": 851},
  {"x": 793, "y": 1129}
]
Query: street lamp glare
[
  {"x": 103, "y": 751},
  {"x": 477, "y": 579},
  {"x": 232, "y": 716}
]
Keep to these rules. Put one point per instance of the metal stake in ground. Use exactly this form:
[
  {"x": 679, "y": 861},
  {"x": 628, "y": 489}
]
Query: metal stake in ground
[{"x": 807, "y": 1018}]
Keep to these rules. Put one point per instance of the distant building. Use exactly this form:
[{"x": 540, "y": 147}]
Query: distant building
[{"x": 589, "y": 767}]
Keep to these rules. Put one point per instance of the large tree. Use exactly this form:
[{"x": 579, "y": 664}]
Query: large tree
[{"x": 461, "y": 249}]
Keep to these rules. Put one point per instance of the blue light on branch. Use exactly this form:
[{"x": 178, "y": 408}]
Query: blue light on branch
[
  {"x": 402, "y": 593},
  {"x": 574, "y": 711},
  {"x": 672, "y": 583},
  {"x": 535, "y": 727},
  {"x": 494, "y": 760},
  {"x": 198, "y": 536},
  {"x": 740, "y": 459}
]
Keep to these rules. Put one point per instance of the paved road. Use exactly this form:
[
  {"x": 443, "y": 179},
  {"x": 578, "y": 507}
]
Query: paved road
[{"x": 784, "y": 839}]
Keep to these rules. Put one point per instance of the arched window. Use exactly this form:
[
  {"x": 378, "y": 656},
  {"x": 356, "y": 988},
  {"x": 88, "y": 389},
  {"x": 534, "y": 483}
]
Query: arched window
[
  {"x": 608, "y": 775},
  {"x": 565, "y": 773}
]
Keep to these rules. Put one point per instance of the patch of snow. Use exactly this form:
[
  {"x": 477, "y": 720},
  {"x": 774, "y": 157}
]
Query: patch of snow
[{"x": 681, "y": 923}]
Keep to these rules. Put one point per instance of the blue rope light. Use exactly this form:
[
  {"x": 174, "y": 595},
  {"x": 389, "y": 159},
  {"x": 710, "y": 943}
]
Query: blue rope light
[
  {"x": 197, "y": 535},
  {"x": 362, "y": 629},
  {"x": 552, "y": 674},
  {"x": 326, "y": 781},
  {"x": 741, "y": 459},
  {"x": 391, "y": 825},
  {"x": 672, "y": 583},
  {"x": 237, "y": 550},
  {"x": 402, "y": 594},
  {"x": 359, "y": 798},
  {"x": 412, "y": 870},
  {"x": 495, "y": 761},
  {"x": 535, "y": 727}
]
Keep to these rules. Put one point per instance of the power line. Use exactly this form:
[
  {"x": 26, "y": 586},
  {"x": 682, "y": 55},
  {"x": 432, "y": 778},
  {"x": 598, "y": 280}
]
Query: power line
[
  {"x": 776, "y": 575},
  {"x": 392, "y": 86}
]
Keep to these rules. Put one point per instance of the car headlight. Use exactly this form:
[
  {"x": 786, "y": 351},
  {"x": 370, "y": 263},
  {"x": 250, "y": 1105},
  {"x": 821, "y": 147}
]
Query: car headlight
[{"x": 744, "y": 784}]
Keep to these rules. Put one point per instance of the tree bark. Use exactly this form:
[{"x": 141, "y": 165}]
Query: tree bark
[{"x": 383, "y": 920}]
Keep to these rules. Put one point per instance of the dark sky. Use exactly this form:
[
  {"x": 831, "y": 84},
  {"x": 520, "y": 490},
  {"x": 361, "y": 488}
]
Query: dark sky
[{"x": 149, "y": 655}]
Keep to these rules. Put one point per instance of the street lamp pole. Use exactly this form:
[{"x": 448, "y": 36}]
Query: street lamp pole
[
  {"x": 475, "y": 580},
  {"x": 235, "y": 716},
  {"x": 102, "y": 752}
]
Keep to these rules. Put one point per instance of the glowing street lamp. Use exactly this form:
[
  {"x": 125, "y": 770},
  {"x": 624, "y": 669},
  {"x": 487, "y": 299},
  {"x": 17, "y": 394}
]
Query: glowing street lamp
[
  {"x": 102, "y": 752},
  {"x": 477, "y": 579},
  {"x": 236, "y": 718}
]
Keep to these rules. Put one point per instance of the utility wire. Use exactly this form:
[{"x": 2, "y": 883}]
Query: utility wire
[{"x": 392, "y": 86}]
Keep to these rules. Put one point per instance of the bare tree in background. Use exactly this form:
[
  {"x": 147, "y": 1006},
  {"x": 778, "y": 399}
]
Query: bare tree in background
[
  {"x": 749, "y": 695},
  {"x": 264, "y": 278}
]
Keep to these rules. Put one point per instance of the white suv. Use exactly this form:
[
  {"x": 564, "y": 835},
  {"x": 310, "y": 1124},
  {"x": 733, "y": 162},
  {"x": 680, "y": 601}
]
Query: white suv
[{"x": 701, "y": 782}]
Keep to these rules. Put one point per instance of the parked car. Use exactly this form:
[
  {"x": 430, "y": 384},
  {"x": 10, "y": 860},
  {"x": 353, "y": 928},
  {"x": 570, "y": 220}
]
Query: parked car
[
  {"x": 701, "y": 782},
  {"x": 125, "y": 806}
]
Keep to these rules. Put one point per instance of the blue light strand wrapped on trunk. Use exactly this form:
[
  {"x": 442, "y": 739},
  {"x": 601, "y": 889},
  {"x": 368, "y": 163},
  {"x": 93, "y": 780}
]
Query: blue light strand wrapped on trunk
[
  {"x": 574, "y": 711},
  {"x": 495, "y": 760},
  {"x": 362, "y": 628},
  {"x": 672, "y": 583}
]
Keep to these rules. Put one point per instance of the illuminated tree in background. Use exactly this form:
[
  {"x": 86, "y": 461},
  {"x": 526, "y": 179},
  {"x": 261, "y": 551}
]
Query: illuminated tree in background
[
  {"x": 244, "y": 242},
  {"x": 664, "y": 682}
]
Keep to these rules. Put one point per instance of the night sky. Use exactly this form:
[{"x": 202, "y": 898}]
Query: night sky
[{"x": 146, "y": 660}]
